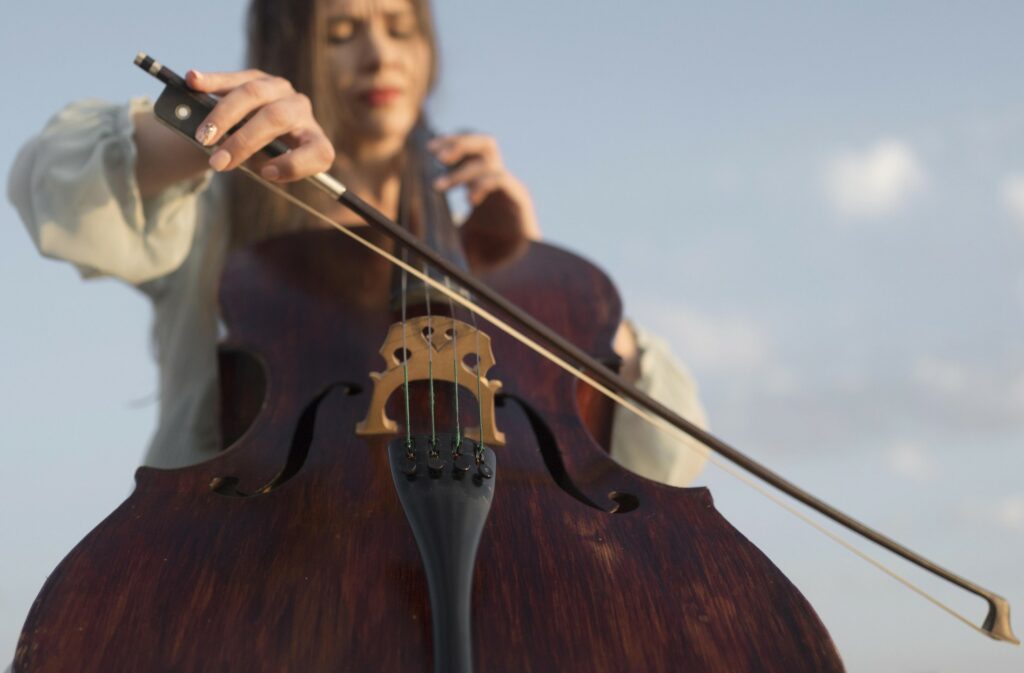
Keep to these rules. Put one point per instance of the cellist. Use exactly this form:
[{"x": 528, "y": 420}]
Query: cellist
[{"x": 343, "y": 82}]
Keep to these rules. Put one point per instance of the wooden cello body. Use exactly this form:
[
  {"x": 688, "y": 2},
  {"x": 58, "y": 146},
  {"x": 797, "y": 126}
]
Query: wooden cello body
[{"x": 292, "y": 550}]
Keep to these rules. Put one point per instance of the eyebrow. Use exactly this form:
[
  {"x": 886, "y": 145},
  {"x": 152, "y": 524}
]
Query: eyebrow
[{"x": 353, "y": 17}]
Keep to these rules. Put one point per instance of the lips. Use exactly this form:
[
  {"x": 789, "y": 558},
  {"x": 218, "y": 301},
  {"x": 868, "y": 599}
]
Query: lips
[{"x": 380, "y": 96}]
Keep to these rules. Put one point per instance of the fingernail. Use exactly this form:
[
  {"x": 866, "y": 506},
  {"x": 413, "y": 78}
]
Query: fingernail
[
  {"x": 270, "y": 172},
  {"x": 220, "y": 160},
  {"x": 433, "y": 143},
  {"x": 439, "y": 183},
  {"x": 206, "y": 132},
  {"x": 196, "y": 74}
]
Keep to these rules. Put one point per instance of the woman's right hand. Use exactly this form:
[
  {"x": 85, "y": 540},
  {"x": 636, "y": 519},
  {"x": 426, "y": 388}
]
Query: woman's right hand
[{"x": 277, "y": 111}]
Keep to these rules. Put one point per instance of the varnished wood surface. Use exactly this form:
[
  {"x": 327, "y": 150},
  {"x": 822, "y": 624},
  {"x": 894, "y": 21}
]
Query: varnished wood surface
[{"x": 321, "y": 573}]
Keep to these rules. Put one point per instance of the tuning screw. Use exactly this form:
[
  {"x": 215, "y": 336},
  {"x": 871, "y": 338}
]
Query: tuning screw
[
  {"x": 435, "y": 462},
  {"x": 462, "y": 463}
]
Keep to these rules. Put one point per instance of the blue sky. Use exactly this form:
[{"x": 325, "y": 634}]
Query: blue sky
[{"x": 821, "y": 207}]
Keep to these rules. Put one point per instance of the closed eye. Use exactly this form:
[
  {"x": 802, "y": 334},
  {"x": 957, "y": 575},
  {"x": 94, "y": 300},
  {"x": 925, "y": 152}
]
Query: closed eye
[{"x": 341, "y": 30}]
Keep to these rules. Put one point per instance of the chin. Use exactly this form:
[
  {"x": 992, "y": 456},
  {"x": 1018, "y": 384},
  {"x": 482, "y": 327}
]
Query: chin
[{"x": 388, "y": 125}]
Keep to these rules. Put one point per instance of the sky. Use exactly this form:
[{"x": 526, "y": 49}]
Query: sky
[{"x": 819, "y": 206}]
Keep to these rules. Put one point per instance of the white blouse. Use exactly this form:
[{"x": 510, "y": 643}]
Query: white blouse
[{"x": 74, "y": 186}]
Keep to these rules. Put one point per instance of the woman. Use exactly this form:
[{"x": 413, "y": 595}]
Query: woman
[
  {"x": 350, "y": 78},
  {"x": 109, "y": 189}
]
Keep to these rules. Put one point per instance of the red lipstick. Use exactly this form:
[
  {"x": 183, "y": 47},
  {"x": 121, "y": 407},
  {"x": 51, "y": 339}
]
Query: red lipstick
[{"x": 381, "y": 96}]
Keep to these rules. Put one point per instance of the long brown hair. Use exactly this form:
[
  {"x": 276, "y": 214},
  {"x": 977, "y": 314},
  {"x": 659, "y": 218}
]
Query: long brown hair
[{"x": 288, "y": 38}]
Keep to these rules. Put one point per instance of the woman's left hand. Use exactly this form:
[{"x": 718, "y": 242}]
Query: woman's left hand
[{"x": 503, "y": 220}]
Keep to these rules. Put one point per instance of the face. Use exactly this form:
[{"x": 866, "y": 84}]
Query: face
[{"x": 380, "y": 62}]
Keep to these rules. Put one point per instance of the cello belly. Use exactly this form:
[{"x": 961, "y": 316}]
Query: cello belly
[
  {"x": 291, "y": 582},
  {"x": 291, "y": 550}
]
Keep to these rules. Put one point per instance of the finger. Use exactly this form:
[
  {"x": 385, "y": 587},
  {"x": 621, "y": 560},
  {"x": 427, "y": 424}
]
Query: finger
[
  {"x": 483, "y": 186},
  {"x": 220, "y": 83},
  {"x": 313, "y": 155},
  {"x": 503, "y": 182},
  {"x": 238, "y": 104},
  {"x": 269, "y": 123},
  {"x": 452, "y": 149},
  {"x": 470, "y": 170}
]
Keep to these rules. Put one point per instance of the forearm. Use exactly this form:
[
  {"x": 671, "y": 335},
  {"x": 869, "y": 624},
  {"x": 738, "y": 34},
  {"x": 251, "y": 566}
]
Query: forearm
[
  {"x": 74, "y": 185},
  {"x": 164, "y": 157}
]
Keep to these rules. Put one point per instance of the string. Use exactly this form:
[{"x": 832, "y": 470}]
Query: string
[
  {"x": 479, "y": 398},
  {"x": 429, "y": 338},
  {"x": 405, "y": 360},
  {"x": 455, "y": 369},
  {"x": 657, "y": 421}
]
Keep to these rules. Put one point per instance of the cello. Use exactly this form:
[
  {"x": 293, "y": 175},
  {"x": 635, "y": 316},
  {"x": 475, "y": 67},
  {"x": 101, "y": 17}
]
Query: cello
[{"x": 331, "y": 537}]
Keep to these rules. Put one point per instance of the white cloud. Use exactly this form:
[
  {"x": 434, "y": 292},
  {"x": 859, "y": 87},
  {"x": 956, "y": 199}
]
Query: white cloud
[
  {"x": 910, "y": 459},
  {"x": 874, "y": 182},
  {"x": 971, "y": 394},
  {"x": 1011, "y": 191},
  {"x": 1010, "y": 511},
  {"x": 733, "y": 352},
  {"x": 944, "y": 376},
  {"x": 711, "y": 342},
  {"x": 1006, "y": 512}
]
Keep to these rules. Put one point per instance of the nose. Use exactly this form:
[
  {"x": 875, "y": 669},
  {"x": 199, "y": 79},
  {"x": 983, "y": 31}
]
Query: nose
[{"x": 378, "y": 49}]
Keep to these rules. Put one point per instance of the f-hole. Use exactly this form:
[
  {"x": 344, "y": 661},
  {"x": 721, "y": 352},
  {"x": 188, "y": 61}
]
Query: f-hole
[
  {"x": 302, "y": 439},
  {"x": 622, "y": 502}
]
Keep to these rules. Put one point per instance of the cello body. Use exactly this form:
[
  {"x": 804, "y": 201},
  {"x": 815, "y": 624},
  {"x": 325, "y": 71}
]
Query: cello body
[{"x": 291, "y": 550}]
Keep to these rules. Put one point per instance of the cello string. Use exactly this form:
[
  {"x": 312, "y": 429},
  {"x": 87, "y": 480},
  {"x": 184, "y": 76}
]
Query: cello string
[
  {"x": 429, "y": 338},
  {"x": 432, "y": 215},
  {"x": 455, "y": 368},
  {"x": 479, "y": 398},
  {"x": 405, "y": 360},
  {"x": 619, "y": 399}
]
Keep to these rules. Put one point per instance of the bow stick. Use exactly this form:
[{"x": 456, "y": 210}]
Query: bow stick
[{"x": 183, "y": 110}]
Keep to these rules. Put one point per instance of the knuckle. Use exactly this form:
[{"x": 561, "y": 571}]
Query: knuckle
[
  {"x": 303, "y": 101},
  {"x": 327, "y": 154},
  {"x": 241, "y": 145},
  {"x": 490, "y": 144},
  {"x": 283, "y": 83},
  {"x": 286, "y": 169},
  {"x": 277, "y": 113},
  {"x": 253, "y": 88}
]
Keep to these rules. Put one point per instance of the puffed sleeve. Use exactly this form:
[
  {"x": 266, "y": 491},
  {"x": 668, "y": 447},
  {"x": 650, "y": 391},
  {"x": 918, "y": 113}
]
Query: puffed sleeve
[
  {"x": 645, "y": 449},
  {"x": 75, "y": 189}
]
